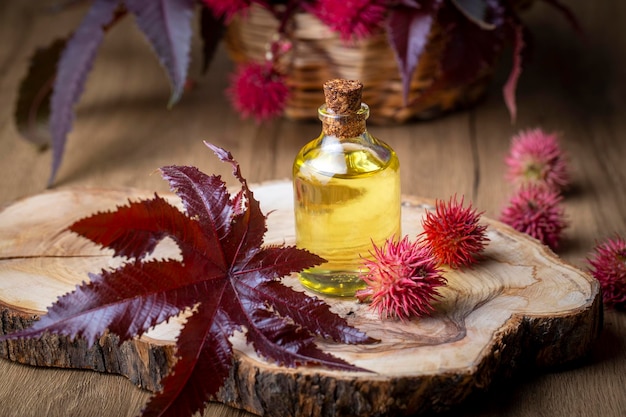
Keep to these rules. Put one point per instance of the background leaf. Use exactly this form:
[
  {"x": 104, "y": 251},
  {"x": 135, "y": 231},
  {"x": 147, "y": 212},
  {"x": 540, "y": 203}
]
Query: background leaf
[
  {"x": 470, "y": 51},
  {"x": 167, "y": 25},
  {"x": 476, "y": 11},
  {"x": 521, "y": 39},
  {"x": 32, "y": 111},
  {"x": 408, "y": 27},
  {"x": 74, "y": 65},
  {"x": 568, "y": 14},
  {"x": 212, "y": 30}
]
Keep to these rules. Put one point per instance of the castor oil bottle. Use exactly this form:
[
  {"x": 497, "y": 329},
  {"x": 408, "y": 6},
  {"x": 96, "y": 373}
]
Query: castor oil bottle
[{"x": 346, "y": 192}]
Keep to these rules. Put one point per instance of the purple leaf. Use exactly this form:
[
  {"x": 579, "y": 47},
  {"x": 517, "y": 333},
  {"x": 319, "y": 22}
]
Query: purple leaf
[
  {"x": 74, "y": 65},
  {"x": 167, "y": 25},
  {"x": 408, "y": 27}
]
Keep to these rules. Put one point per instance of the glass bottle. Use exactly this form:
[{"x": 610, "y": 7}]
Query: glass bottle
[{"x": 346, "y": 192}]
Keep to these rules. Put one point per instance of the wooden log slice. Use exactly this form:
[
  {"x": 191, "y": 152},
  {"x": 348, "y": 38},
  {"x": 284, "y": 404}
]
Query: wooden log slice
[{"x": 522, "y": 306}]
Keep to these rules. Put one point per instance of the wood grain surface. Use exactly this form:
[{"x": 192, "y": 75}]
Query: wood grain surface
[
  {"x": 520, "y": 307},
  {"x": 124, "y": 132}
]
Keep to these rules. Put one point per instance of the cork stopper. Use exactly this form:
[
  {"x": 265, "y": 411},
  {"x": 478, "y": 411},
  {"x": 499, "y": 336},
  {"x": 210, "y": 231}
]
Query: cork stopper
[
  {"x": 343, "y": 114},
  {"x": 343, "y": 96}
]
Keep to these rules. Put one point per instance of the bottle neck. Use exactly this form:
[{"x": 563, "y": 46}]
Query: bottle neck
[{"x": 343, "y": 126}]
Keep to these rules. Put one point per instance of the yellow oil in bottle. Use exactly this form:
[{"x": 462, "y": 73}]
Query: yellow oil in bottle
[{"x": 347, "y": 196}]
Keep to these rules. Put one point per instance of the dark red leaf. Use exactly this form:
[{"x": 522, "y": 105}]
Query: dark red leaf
[
  {"x": 226, "y": 280},
  {"x": 119, "y": 301},
  {"x": 74, "y": 65},
  {"x": 310, "y": 312},
  {"x": 248, "y": 223},
  {"x": 133, "y": 231},
  {"x": 167, "y": 25},
  {"x": 275, "y": 261},
  {"x": 288, "y": 344},
  {"x": 204, "y": 197},
  {"x": 204, "y": 361}
]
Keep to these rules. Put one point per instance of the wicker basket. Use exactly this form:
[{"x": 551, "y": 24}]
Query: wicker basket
[{"x": 318, "y": 54}]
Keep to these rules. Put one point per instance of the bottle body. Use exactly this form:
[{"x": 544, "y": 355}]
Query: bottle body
[{"x": 347, "y": 196}]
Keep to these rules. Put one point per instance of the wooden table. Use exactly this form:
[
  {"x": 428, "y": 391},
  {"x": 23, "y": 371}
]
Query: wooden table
[{"x": 124, "y": 132}]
